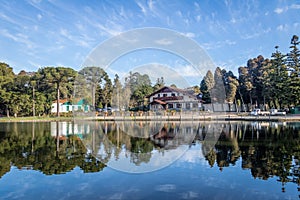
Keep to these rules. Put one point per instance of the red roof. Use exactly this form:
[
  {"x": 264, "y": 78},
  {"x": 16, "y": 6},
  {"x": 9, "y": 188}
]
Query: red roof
[
  {"x": 160, "y": 102},
  {"x": 61, "y": 101}
]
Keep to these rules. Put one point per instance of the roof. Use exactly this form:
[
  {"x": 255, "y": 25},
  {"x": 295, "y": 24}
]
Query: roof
[
  {"x": 160, "y": 102},
  {"x": 173, "y": 89},
  {"x": 76, "y": 101},
  {"x": 61, "y": 101}
]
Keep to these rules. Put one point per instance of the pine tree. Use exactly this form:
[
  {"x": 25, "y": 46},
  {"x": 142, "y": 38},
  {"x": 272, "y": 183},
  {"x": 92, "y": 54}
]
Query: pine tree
[
  {"x": 117, "y": 93},
  {"x": 218, "y": 91},
  {"x": 293, "y": 63},
  {"x": 206, "y": 86},
  {"x": 275, "y": 80},
  {"x": 245, "y": 85}
]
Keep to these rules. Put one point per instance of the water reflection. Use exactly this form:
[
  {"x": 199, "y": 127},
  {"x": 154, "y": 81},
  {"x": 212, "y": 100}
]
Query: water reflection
[
  {"x": 32, "y": 146},
  {"x": 266, "y": 149}
]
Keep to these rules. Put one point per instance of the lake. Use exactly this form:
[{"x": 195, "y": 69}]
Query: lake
[{"x": 149, "y": 160}]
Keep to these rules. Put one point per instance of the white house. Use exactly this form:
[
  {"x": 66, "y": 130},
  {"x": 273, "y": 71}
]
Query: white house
[
  {"x": 174, "y": 98},
  {"x": 66, "y": 105}
]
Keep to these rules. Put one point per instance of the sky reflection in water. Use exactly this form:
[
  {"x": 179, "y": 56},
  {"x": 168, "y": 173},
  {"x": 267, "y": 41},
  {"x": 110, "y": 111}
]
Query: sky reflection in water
[{"x": 192, "y": 176}]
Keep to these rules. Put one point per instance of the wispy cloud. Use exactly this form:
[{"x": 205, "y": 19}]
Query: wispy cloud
[
  {"x": 151, "y": 5},
  {"x": 256, "y": 33},
  {"x": 79, "y": 40},
  {"x": 92, "y": 20},
  {"x": 189, "y": 34},
  {"x": 282, "y": 27},
  {"x": 37, "y": 5},
  {"x": 148, "y": 8},
  {"x": 109, "y": 30},
  {"x": 11, "y": 20},
  {"x": 280, "y": 10},
  {"x": 19, "y": 37},
  {"x": 34, "y": 64},
  {"x": 218, "y": 44},
  {"x": 142, "y": 7},
  {"x": 295, "y": 6}
]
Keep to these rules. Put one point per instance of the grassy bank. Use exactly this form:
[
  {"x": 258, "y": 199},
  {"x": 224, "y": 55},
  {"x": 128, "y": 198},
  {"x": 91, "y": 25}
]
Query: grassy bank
[
  {"x": 208, "y": 117},
  {"x": 34, "y": 119}
]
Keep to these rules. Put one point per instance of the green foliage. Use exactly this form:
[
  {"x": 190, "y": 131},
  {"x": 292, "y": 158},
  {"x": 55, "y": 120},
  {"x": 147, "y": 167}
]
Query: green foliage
[
  {"x": 119, "y": 98},
  {"x": 57, "y": 82},
  {"x": 217, "y": 91},
  {"x": 6, "y": 82},
  {"x": 293, "y": 63},
  {"x": 265, "y": 83},
  {"x": 140, "y": 87},
  {"x": 89, "y": 80},
  {"x": 206, "y": 86}
]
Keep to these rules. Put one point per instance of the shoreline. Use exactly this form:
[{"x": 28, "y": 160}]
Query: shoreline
[{"x": 206, "y": 117}]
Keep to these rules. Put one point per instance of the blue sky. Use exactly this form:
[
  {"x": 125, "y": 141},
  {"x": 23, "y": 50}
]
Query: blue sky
[{"x": 38, "y": 33}]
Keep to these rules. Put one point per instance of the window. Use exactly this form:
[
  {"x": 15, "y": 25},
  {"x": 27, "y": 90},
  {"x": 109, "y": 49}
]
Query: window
[
  {"x": 170, "y": 105},
  {"x": 173, "y": 94},
  {"x": 178, "y": 105},
  {"x": 188, "y": 105},
  {"x": 164, "y": 95},
  {"x": 158, "y": 95}
]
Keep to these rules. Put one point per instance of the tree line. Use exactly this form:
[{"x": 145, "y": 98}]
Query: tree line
[
  {"x": 32, "y": 93},
  {"x": 264, "y": 82}
]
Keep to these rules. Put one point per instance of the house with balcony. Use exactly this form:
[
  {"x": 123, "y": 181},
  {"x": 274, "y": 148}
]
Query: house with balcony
[{"x": 171, "y": 98}]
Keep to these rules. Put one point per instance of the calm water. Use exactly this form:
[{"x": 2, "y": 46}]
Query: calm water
[{"x": 149, "y": 160}]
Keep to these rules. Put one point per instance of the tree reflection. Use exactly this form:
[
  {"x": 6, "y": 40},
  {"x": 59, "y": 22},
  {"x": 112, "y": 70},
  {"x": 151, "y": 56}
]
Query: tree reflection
[
  {"x": 31, "y": 146},
  {"x": 266, "y": 149},
  {"x": 139, "y": 139}
]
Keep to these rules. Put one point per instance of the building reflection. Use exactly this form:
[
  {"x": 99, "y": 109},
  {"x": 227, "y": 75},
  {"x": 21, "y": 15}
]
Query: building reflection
[{"x": 266, "y": 149}]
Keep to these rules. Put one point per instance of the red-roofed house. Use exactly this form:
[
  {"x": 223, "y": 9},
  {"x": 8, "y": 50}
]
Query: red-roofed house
[{"x": 174, "y": 98}]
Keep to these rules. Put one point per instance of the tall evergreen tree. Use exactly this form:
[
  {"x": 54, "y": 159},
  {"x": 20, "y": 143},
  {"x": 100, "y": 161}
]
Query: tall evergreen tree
[
  {"x": 218, "y": 91},
  {"x": 275, "y": 79},
  {"x": 206, "y": 86},
  {"x": 245, "y": 85},
  {"x": 106, "y": 91},
  {"x": 117, "y": 94},
  {"x": 231, "y": 85},
  {"x": 293, "y": 63}
]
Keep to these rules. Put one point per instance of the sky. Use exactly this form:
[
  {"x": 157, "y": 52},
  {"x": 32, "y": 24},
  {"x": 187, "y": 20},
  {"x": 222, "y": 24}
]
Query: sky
[{"x": 39, "y": 33}]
